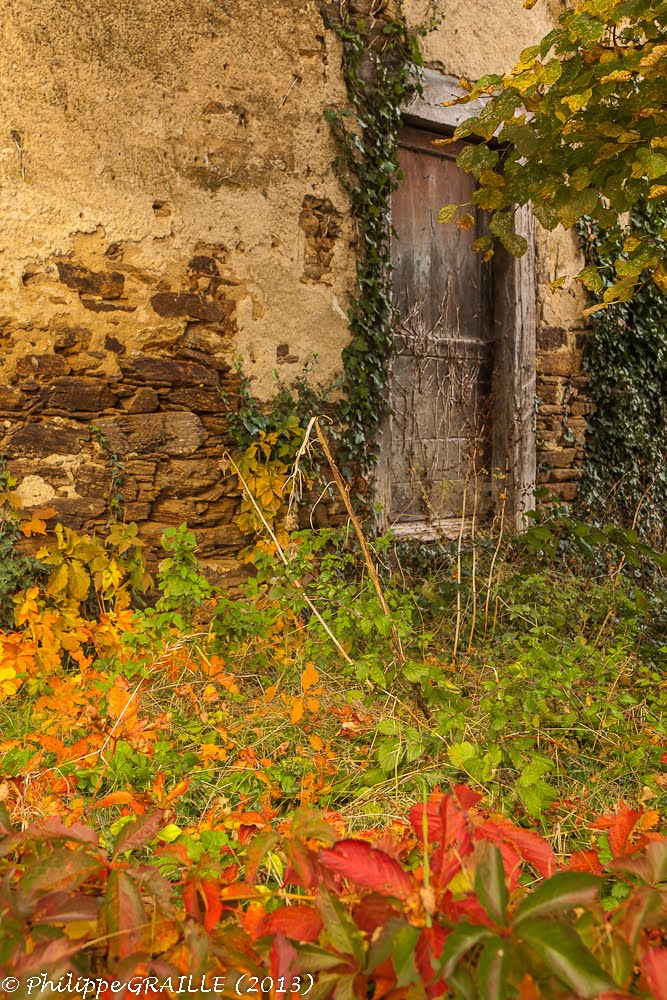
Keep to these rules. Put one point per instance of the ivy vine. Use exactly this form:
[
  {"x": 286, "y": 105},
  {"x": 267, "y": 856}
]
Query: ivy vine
[
  {"x": 382, "y": 65},
  {"x": 625, "y": 476}
]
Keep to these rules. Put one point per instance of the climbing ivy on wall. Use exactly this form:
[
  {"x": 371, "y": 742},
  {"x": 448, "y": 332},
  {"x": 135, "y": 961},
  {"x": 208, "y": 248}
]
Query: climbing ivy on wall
[
  {"x": 625, "y": 476},
  {"x": 381, "y": 68}
]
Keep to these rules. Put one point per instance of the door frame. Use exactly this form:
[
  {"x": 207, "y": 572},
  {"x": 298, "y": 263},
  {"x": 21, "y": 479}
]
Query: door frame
[{"x": 513, "y": 437}]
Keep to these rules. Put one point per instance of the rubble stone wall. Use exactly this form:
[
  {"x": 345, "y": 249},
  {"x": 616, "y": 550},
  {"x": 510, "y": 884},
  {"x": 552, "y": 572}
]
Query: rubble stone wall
[{"x": 167, "y": 204}]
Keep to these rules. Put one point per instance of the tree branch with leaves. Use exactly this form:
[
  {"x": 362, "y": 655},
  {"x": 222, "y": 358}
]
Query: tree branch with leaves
[{"x": 578, "y": 129}]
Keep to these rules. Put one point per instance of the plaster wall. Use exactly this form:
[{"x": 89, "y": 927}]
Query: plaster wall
[{"x": 167, "y": 203}]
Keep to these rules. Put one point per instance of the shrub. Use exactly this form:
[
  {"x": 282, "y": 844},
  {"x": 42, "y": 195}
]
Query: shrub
[{"x": 457, "y": 902}]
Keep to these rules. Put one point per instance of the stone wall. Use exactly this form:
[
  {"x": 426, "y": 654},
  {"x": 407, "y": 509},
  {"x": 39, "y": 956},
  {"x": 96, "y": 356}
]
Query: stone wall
[
  {"x": 167, "y": 204},
  {"x": 562, "y": 403}
]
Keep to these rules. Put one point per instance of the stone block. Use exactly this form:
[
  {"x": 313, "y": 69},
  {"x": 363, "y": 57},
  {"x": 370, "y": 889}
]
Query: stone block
[
  {"x": 192, "y": 305},
  {"x": 49, "y": 437},
  {"x": 550, "y": 338},
  {"x": 560, "y": 458},
  {"x": 108, "y": 285},
  {"x": 144, "y": 400},
  {"x": 12, "y": 399},
  {"x": 187, "y": 477},
  {"x": 174, "y": 433},
  {"x": 168, "y": 371},
  {"x": 39, "y": 365},
  {"x": 563, "y": 475},
  {"x": 198, "y": 400},
  {"x": 78, "y": 394}
]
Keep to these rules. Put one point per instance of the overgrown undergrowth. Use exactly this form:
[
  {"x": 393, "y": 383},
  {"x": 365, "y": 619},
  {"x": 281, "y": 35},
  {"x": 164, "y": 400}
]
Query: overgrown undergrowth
[{"x": 358, "y": 683}]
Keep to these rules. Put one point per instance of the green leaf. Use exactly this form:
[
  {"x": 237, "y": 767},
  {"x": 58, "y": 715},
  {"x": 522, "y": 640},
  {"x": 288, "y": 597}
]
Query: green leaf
[
  {"x": 493, "y": 969},
  {"x": 558, "y": 893},
  {"x": 490, "y": 883},
  {"x": 461, "y": 754},
  {"x": 463, "y": 938},
  {"x": 563, "y": 952},
  {"x": 591, "y": 278},
  {"x": 340, "y": 928},
  {"x": 514, "y": 244}
]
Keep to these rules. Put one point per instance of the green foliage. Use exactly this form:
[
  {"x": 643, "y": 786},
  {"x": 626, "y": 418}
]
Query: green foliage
[
  {"x": 581, "y": 127},
  {"x": 17, "y": 571},
  {"x": 625, "y": 476},
  {"x": 116, "y": 498},
  {"x": 181, "y": 583},
  {"x": 381, "y": 78}
]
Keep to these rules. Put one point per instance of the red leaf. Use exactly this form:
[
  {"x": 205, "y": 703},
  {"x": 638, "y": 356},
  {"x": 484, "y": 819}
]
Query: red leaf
[
  {"x": 429, "y": 948},
  {"x": 620, "y": 827},
  {"x": 139, "y": 832},
  {"x": 654, "y": 967},
  {"x": 125, "y": 915},
  {"x": 53, "y": 828},
  {"x": 300, "y": 923},
  {"x": 209, "y": 891},
  {"x": 257, "y": 849},
  {"x": 433, "y": 823},
  {"x": 284, "y": 963},
  {"x": 585, "y": 861},
  {"x": 372, "y": 912},
  {"x": 369, "y": 868},
  {"x": 467, "y": 798},
  {"x": 532, "y": 848},
  {"x": 61, "y": 869}
]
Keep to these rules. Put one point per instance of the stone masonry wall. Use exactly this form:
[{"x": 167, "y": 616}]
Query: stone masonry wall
[{"x": 167, "y": 204}]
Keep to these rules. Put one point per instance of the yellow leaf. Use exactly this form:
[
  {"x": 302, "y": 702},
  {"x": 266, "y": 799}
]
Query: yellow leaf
[
  {"x": 660, "y": 278},
  {"x": 316, "y": 742},
  {"x": 313, "y": 704},
  {"x": 297, "y": 711},
  {"x": 57, "y": 581},
  {"x": 270, "y": 693},
  {"x": 79, "y": 581},
  {"x": 309, "y": 677}
]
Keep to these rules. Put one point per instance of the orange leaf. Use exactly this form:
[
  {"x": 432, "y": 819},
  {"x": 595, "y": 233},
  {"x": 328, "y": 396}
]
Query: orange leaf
[
  {"x": 35, "y": 526},
  {"x": 114, "y": 799},
  {"x": 316, "y": 742},
  {"x": 297, "y": 711},
  {"x": 309, "y": 677}
]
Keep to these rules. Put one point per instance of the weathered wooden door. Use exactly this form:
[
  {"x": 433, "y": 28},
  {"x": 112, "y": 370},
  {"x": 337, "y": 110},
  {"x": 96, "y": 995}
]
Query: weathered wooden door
[{"x": 436, "y": 451}]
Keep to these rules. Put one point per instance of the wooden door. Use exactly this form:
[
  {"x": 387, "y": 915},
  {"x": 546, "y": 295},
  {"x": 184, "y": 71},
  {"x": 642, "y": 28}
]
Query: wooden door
[{"x": 436, "y": 452}]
